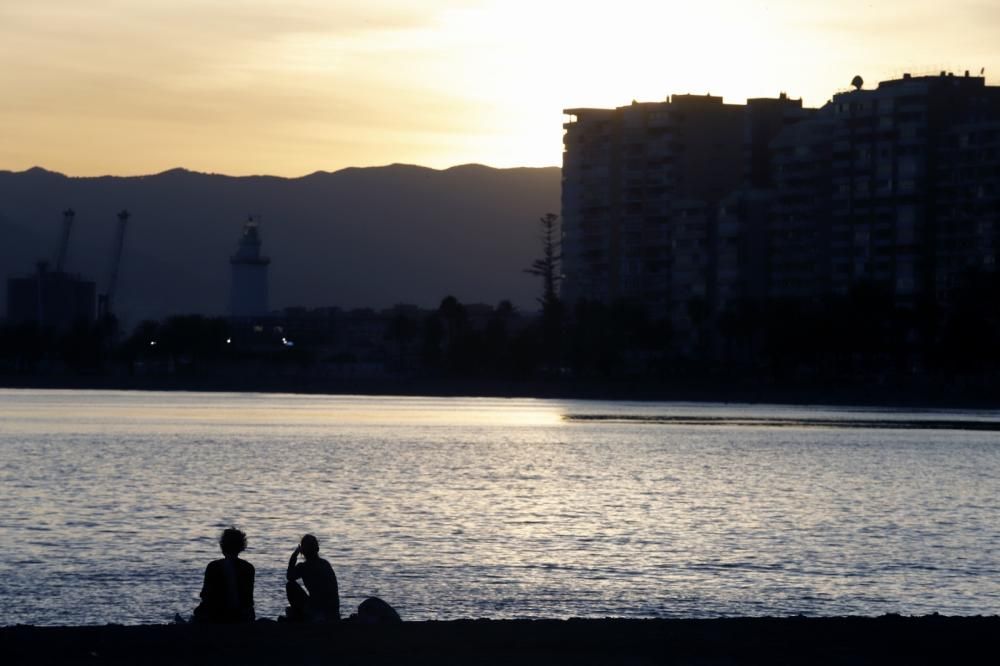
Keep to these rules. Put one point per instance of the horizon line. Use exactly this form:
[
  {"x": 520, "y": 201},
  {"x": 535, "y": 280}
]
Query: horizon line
[{"x": 320, "y": 172}]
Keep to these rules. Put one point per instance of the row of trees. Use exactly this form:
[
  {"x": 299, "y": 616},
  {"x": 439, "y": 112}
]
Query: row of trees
[{"x": 859, "y": 338}]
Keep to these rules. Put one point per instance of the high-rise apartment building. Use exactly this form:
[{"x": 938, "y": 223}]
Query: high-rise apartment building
[
  {"x": 897, "y": 187},
  {"x": 967, "y": 210},
  {"x": 693, "y": 200},
  {"x": 642, "y": 186}
]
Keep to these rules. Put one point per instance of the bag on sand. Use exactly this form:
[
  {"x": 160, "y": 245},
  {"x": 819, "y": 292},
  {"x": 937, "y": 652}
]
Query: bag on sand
[{"x": 373, "y": 611}]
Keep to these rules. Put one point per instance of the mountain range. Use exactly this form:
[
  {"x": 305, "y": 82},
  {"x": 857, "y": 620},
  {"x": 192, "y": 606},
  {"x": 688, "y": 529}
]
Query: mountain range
[{"x": 359, "y": 237}]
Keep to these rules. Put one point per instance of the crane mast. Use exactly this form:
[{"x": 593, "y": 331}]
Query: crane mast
[
  {"x": 68, "y": 216},
  {"x": 107, "y": 299}
]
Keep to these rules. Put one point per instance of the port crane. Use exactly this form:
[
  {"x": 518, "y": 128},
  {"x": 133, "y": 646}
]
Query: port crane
[
  {"x": 68, "y": 216},
  {"x": 106, "y": 300}
]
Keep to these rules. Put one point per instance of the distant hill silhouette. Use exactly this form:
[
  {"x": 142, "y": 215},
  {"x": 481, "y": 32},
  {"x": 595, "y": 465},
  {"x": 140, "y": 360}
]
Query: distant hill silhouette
[{"x": 368, "y": 237}]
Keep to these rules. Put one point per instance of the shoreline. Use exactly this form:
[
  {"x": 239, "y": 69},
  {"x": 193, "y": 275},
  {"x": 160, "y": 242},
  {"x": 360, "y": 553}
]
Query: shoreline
[
  {"x": 832, "y": 640},
  {"x": 872, "y": 396}
]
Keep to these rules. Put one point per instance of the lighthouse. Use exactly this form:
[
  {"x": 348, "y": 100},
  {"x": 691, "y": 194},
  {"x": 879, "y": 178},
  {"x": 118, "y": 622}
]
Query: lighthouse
[{"x": 248, "y": 289}]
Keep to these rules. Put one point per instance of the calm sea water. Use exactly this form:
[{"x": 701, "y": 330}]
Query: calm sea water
[{"x": 112, "y": 502}]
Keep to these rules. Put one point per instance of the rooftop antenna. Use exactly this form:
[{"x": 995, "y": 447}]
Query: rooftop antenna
[{"x": 857, "y": 82}]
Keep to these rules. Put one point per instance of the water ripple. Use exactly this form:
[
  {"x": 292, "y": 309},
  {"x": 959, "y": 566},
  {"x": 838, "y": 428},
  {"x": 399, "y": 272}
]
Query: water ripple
[{"x": 453, "y": 508}]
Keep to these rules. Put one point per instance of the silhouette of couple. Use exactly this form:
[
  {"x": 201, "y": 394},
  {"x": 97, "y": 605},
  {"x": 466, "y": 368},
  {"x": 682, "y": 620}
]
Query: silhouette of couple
[{"x": 227, "y": 594}]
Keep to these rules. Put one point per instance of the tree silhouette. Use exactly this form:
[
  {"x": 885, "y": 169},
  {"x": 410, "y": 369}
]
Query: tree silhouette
[{"x": 547, "y": 267}]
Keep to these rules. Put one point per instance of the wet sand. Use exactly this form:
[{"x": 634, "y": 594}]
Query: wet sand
[{"x": 884, "y": 640}]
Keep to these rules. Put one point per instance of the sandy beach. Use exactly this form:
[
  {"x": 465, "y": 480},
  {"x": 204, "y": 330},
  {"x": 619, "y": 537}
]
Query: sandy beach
[{"x": 888, "y": 639}]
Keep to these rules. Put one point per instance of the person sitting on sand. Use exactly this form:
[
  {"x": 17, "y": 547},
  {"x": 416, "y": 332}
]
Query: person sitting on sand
[
  {"x": 320, "y": 600},
  {"x": 227, "y": 594}
]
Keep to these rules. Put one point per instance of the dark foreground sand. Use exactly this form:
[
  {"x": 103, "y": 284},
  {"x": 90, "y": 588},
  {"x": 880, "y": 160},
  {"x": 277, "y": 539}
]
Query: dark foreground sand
[{"x": 884, "y": 640}]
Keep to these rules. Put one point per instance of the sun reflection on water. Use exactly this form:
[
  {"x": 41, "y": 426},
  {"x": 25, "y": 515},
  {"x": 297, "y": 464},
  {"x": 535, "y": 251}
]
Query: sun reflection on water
[
  {"x": 458, "y": 507},
  {"x": 83, "y": 410}
]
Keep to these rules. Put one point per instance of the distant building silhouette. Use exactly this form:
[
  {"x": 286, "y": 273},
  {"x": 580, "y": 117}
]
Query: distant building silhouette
[
  {"x": 51, "y": 299},
  {"x": 694, "y": 206},
  {"x": 248, "y": 289}
]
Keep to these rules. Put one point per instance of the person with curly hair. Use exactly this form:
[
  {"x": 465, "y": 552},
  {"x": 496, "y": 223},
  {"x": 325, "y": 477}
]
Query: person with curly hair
[{"x": 227, "y": 594}]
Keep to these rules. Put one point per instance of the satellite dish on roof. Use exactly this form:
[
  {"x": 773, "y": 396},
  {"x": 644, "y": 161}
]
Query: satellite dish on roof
[{"x": 857, "y": 82}]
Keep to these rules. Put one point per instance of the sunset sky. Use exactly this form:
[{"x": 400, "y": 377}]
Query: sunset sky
[{"x": 288, "y": 87}]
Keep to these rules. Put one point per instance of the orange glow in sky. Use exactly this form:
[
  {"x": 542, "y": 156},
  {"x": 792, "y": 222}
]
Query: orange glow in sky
[{"x": 288, "y": 87}]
